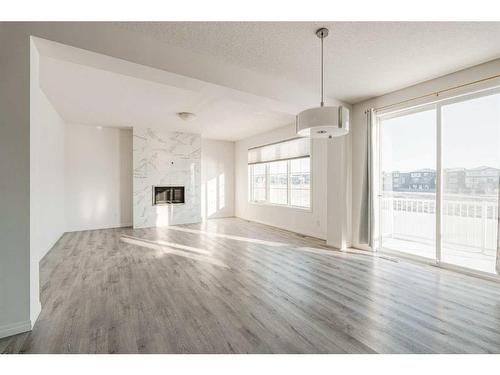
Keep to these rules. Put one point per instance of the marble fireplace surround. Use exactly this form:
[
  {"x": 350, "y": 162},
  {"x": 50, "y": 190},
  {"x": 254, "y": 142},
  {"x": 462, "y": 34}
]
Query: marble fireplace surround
[{"x": 165, "y": 158}]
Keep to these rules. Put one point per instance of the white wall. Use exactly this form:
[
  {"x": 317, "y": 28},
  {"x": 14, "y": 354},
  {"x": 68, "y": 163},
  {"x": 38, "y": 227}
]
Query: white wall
[
  {"x": 46, "y": 180},
  {"x": 339, "y": 192},
  {"x": 217, "y": 179},
  {"x": 358, "y": 123},
  {"x": 98, "y": 177},
  {"x": 309, "y": 222}
]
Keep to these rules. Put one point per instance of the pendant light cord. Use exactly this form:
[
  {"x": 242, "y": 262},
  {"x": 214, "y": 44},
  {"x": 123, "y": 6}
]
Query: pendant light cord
[{"x": 322, "y": 102}]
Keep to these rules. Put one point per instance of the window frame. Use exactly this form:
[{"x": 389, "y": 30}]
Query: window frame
[
  {"x": 440, "y": 209},
  {"x": 251, "y": 184},
  {"x": 288, "y": 205}
]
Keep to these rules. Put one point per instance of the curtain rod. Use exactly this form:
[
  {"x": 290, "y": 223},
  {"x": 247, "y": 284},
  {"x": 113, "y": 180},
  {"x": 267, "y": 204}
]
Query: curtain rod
[{"x": 437, "y": 93}]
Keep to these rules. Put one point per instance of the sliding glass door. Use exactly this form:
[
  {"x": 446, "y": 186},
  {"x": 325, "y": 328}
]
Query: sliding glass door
[
  {"x": 408, "y": 182},
  {"x": 471, "y": 166},
  {"x": 439, "y": 181}
]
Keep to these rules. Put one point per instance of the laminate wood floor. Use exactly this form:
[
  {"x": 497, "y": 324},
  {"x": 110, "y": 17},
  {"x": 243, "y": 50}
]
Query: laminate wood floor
[{"x": 232, "y": 286}]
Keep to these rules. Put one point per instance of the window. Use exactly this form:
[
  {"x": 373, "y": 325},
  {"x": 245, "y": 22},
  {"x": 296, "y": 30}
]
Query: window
[
  {"x": 455, "y": 222},
  {"x": 278, "y": 182},
  {"x": 280, "y": 173},
  {"x": 470, "y": 238},
  {"x": 407, "y": 145},
  {"x": 289, "y": 182},
  {"x": 300, "y": 182},
  {"x": 258, "y": 182}
]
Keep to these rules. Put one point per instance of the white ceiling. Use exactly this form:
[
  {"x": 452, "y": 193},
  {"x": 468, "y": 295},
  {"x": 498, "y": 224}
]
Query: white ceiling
[
  {"x": 88, "y": 95},
  {"x": 364, "y": 59},
  {"x": 257, "y": 75}
]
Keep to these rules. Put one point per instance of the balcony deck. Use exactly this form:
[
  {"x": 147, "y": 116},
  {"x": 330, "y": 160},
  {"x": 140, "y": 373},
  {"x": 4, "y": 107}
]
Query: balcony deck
[{"x": 469, "y": 228}]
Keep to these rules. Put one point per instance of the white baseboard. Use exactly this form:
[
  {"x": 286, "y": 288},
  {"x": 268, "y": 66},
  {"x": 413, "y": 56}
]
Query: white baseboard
[
  {"x": 217, "y": 216},
  {"x": 109, "y": 226},
  {"x": 318, "y": 236},
  {"x": 35, "y": 313},
  {"x": 361, "y": 247},
  {"x": 15, "y": 328}
]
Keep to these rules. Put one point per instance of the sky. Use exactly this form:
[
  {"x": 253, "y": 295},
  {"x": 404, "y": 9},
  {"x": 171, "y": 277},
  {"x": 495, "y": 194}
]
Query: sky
[{"x": 471, "y": 137}]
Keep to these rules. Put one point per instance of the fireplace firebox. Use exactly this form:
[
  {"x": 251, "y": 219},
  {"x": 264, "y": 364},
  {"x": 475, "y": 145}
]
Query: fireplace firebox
[{"x": 168, "y": 195}]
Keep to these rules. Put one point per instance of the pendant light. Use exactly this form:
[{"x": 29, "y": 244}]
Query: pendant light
[{"x": 323, "y": 122}]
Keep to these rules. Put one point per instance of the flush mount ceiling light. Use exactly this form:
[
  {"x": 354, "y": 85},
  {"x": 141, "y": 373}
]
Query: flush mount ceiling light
[
  {"x": 186, "y": 116},
  {"x": 323, "y": 122}
]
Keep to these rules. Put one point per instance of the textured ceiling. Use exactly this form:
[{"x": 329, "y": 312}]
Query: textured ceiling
[
  {"x": 91, "y": 96},
  {"x": 363, "y": 59}
]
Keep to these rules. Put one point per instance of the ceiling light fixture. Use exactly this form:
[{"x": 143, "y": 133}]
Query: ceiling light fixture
[
  {"x": 186, "y": 116},
  {"x": 323, "y": 122}
]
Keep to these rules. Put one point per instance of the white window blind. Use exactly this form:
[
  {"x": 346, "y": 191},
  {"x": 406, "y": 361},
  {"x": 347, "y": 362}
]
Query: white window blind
[{"x": 291, "y": 149}]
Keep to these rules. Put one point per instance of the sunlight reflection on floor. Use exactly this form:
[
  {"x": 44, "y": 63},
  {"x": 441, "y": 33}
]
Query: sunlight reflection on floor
[
  {"x": 164, "y": 247},
  {"x": 228, "y": 236}
]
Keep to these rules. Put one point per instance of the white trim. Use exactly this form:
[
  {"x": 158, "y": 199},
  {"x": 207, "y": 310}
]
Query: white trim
[
  {"x": 123, "y": 225},
  {"x": 450, "y": 97},
  {"x": 363, "y": 247},
  {"x": 430, "y": 262},
  {"x": 316, "y": 236},
  {"x": 470, "y": 95},
  {"x": 436, "y": 104},
  {"x": 439, "y": 184},
  {"x": 35, "y": 312},
  {"x": 470, "y": 272},
  {"x": 445, "y": 266},
  {"x": 402, "y": 255},
  {"x": 14, "y": 328},
  {"x": 288, "y": 205},
  {"x": 380, "y": 187}
]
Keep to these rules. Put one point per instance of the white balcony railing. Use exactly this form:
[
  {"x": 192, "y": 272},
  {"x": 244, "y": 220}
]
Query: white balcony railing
[{"x": 469, "y": 223}]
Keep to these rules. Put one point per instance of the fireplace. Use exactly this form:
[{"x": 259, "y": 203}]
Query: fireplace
[{"x": 168, "y": 195}]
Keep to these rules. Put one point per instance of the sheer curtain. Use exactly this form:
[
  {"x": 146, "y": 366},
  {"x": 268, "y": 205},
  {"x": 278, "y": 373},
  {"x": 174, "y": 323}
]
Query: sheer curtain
[{"x": 368, "y": 225}]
